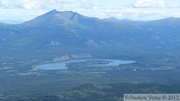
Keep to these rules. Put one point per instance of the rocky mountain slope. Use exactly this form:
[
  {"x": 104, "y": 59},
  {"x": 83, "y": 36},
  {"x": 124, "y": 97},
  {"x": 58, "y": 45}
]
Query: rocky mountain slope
[{"x": 62, "y": 31}]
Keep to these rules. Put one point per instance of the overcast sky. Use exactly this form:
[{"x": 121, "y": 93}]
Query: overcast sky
[{"x": 17, "y": 11}]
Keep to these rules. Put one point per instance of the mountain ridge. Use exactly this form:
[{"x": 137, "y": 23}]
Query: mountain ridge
[
  {"x": 56, "y": 30},
  {"x": 56, "y": 17},
  {"x": 66, "y": 14}
]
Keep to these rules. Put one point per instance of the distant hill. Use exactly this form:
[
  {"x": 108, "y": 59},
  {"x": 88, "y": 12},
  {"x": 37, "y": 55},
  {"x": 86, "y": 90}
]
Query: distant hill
[{"x": 71, "y": 31}]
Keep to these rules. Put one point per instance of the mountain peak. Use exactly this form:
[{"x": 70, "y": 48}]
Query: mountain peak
[
  {"x": 54, "y": 11},
  {"x": 70, "y": 15},
  {"x": 56, "y": 17}
]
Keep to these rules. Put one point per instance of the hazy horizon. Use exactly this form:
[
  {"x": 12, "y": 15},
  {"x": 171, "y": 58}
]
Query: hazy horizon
[
  {"x": 18, "y": 11},
  {"x": 19, "y": 21}
]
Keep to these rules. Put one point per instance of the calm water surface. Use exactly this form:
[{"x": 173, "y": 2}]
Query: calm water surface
[{"x": 62, "y": 65}]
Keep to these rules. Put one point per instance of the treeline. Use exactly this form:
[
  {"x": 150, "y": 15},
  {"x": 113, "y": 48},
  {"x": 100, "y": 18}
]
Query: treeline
[{"x": 105, "y": 92}]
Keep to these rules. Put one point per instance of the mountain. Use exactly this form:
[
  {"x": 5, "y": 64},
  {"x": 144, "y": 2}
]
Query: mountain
[
  {"x": 55, "y": 17},
  {"x": 69, "y": 31}
]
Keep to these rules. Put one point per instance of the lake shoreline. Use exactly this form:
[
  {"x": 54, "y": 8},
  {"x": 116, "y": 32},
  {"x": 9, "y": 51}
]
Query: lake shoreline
[{"x": 63, "y": 65}]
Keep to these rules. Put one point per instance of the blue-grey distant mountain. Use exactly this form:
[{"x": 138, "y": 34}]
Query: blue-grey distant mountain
[
  {"x": 68, "y": 31},
  {"x": 55, "y": 18}
]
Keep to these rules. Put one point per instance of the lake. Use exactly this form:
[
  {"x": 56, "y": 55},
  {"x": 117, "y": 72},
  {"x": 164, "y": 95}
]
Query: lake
[{"x": 63, "y": 64}]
